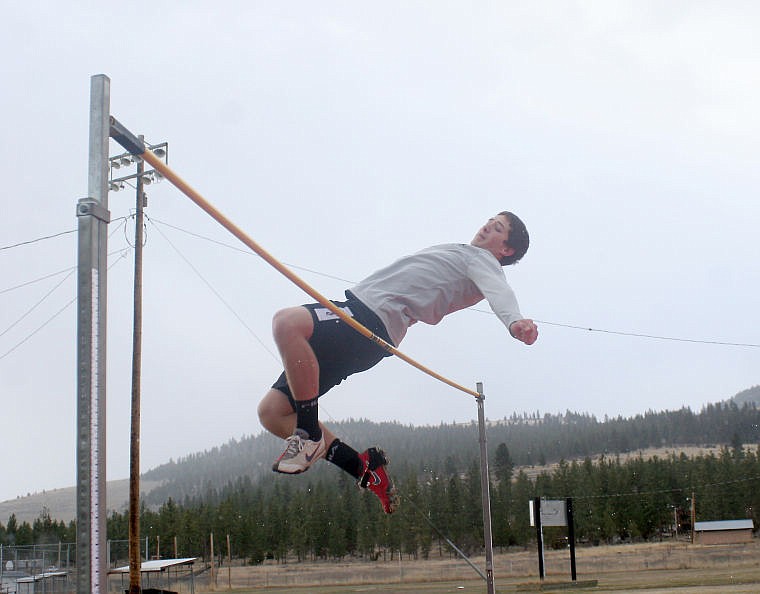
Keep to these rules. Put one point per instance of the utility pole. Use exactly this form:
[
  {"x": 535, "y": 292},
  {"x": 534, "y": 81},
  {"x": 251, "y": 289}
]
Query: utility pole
[
  {"x": 141, "y": 178},
  {"x": 135, "y": 565}
]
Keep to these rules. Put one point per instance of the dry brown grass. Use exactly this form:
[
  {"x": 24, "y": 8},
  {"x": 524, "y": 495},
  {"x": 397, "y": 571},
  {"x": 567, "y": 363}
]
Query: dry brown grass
[
  {"x": 646, "y": 454},
  {"x": 651, "y": 568}
]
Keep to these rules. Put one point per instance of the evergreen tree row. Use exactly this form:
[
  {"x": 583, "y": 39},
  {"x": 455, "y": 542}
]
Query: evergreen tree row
[
  {"x": 322, "y": 513},
  {"x": 328, "y": 517},
  {"x": 532, "y": 439},
  {"x": 44, "y": 530}
]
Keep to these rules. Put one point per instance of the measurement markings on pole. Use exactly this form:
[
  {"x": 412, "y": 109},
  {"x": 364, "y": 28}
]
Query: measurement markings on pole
[{"x": 94, "y": 437}]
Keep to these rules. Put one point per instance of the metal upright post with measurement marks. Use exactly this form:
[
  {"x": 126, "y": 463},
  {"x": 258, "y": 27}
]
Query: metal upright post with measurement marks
[{"x": 93, "y": 217}]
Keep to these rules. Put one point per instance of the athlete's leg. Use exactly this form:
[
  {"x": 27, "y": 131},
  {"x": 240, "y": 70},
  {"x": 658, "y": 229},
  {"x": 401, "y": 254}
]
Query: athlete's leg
[
  {"x": 292, "y": 329},
  {"x": 277, "y": 416}
]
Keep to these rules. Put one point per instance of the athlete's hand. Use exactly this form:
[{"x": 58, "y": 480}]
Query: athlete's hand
[{"x": 524, "y": 331}]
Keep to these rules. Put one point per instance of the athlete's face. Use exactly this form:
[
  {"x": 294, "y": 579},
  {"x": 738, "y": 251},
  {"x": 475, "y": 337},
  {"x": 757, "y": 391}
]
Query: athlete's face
[{"x": 493, "y": 236}]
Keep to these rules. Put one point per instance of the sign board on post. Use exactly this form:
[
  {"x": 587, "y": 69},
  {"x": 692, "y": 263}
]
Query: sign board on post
[{"x": 553, "y": 512}]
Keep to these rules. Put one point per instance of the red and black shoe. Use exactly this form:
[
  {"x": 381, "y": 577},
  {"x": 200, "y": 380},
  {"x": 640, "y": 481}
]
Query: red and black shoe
[{"x": 377, "y": 480}]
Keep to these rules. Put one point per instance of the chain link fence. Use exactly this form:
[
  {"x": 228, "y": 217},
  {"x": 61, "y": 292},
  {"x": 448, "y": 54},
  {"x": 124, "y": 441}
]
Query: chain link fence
[{"x": 46, "y": 568}]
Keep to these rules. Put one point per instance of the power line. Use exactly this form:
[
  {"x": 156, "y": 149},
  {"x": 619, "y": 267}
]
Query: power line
[
  {"x": 70, "y": 271},
  {"x": 62, "y": 271},
  {"x": 649, "y": 336},
  {"x": 630, "y": 494},
  {"x": 332, "y": 277},
  {"x": 246, "y": 251},
  {"x": 673, "y": 490},
  {"x": 156, "y": 223},
  {"x": 53, "y": 236},
  {"x": 19, "y": 244},
  {"x": 562, "y": 325},
  {"x": 50, "y": 275},
  {"x": 216, "y": 293},
  {"x": 56, "y": 314},
  {"x": 36, "y": 305},
  {"x": 29, "y": 336},
  {"x": 36, "y": 280}
]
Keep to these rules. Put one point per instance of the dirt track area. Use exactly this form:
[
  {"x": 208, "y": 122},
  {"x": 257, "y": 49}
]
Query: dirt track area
[{"x": 642, "y": 568}]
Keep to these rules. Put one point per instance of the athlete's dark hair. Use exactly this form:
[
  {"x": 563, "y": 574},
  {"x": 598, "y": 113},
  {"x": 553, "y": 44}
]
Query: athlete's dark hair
[{"x": 518, "y": 239}]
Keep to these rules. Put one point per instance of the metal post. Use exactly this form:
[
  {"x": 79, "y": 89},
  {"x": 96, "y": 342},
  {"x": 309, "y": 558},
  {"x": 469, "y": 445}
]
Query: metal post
[
  {"x": 42, "y": 571},
  {"x": 485, "y": 490},
  {"x": 212, "y": 579},
  {"x": 539, "y": 536},
  {"x": 93, "y": 216},
  {"x": 229, "y": 562},
  {"x": 571, "y": 536},
  {"x": 693, "y": 516}
]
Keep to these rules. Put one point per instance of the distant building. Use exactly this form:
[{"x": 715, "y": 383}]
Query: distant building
[
  {"x": 8, "y": 579},
  {"x": 160, "y": 572},
  {"x": 723, "y": 532},
  {"x": 48, "y": 582}
]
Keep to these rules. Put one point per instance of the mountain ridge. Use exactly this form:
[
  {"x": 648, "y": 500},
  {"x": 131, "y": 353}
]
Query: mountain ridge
[{"x": 534, "y": 441}]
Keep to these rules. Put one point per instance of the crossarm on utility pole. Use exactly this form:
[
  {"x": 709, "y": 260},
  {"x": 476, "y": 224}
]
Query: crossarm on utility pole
[{"x": 125, "y": 138}]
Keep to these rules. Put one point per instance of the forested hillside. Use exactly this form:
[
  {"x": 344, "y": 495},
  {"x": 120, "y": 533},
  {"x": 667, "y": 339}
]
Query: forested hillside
[
  {"x": 748, "y": 396},
  {"x": 532, "y": 439},
  {"x": 322, "y": 514}
]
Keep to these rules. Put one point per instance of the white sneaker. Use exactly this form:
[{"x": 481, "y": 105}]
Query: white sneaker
[{"x": 300, "y": 453}]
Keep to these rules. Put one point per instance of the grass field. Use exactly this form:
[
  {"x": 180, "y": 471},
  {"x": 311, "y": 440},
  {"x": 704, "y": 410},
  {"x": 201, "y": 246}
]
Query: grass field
[{"x": 641, "y": 568}]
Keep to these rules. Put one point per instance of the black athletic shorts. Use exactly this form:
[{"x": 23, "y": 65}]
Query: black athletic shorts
[{"x": 341, "y": 351}]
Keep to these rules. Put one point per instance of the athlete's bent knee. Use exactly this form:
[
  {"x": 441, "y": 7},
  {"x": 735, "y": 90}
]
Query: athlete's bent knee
[
  {"x": 264, "y": 411},
  {"x": 276, "y": 414},
  {"x": 268, "y": 416}
]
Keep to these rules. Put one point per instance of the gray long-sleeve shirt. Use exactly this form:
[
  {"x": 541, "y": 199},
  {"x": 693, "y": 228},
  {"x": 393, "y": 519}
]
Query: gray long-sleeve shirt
[{"x": 434, "y": 282}]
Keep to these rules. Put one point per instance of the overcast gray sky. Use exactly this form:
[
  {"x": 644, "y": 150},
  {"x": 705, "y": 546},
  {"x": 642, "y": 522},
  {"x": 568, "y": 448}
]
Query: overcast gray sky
[{"x": 341, "y": 135}]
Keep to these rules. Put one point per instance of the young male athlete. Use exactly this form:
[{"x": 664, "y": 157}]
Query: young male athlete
[{"x": 319, "y": 350}]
